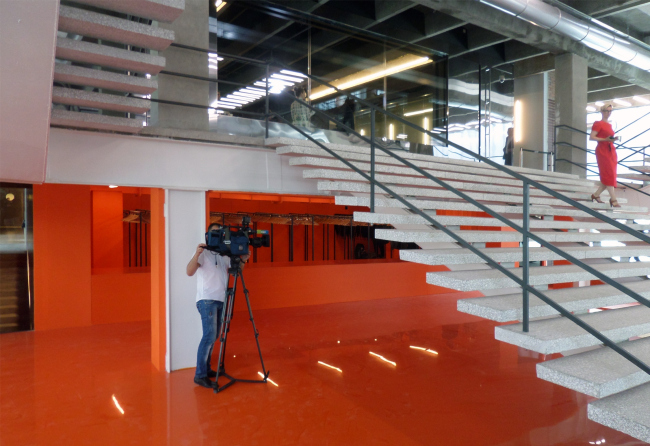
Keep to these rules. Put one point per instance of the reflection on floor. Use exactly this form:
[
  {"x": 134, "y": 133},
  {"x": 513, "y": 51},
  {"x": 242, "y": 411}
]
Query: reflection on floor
[{"x": 460, "y": 387}]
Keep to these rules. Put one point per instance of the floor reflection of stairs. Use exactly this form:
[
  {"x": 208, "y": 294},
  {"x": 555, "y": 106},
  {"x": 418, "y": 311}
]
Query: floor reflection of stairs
[
  {"x": 14, "y": 298},
  {"x": 599, "y": 372}
]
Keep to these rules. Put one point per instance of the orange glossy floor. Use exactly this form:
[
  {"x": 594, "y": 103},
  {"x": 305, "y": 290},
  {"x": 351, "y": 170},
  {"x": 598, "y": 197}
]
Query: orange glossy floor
[{"x": 63, "y": 387}]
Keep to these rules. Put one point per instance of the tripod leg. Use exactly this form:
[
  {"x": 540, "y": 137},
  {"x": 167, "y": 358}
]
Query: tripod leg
[
  {"x": 250, "y": 314},
  {"x": 226, "y": 317}
]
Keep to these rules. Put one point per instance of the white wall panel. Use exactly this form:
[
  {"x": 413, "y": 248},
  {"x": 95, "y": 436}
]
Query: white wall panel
[
  {"x": 185, "y": 229},
  {"x": 27, "y": 40},
  {"x": 79, "y": 157}
]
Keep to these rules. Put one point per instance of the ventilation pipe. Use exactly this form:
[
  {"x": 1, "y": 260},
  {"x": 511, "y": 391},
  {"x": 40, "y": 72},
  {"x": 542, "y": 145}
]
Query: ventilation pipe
[{"x": 552, "y": 18}]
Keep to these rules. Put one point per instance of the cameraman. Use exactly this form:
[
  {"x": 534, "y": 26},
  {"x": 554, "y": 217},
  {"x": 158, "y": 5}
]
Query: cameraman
[{"x": 212, "y": 282}]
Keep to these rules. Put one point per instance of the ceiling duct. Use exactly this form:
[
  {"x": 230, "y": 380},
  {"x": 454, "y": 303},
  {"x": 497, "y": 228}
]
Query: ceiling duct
[{"x": 552, "y": 18}]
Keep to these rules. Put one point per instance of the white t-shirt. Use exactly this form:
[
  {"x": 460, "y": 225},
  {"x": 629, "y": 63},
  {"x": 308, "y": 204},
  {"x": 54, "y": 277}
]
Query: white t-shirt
[{"x": 212, "y": 276}]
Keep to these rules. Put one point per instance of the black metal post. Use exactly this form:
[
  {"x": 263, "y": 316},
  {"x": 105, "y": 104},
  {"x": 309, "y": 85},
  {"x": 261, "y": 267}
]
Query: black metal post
[
  {"x": 526, "y": 257},
  {"x": 266, "y": 100},
  {"x": 351, "y": 255},
  {"x": 128, "y": 225},
  {"x": 372, "y": 160},
  {"x": 291, "y": 241},
  {"x": 271, "y": 242},
  {"x": 312, "y": 238}
]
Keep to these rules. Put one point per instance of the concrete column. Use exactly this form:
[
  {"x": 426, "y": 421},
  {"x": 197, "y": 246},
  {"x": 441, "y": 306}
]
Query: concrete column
[
  {"x": 571, "y": 100},
  {"x": 185, "y": 229},
  {"x": 531, "y": 97},
  {"x": 191, "y": 28}
]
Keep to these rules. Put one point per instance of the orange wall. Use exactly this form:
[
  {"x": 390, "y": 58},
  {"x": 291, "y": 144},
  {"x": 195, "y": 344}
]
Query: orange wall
[
  {"x": 121, "y": 296},
  {"x": 66, "y": 292},
  {"x": 275, "y": 286},
  {"x": 107, "y": 229},
  {"x": 62, "y": 256}
]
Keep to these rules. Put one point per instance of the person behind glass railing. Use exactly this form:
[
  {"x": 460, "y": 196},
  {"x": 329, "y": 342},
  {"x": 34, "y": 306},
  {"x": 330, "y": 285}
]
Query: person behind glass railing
[
  {"x": 509, "y": 147},
  {"x": 603, "y": 133},
  {"x": 300, "y": 114},
  {"x": 349, "y": 107}
]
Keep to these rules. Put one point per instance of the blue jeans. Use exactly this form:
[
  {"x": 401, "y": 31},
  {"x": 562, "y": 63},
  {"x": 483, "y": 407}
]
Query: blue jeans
[{"x": 210, "y": 311}]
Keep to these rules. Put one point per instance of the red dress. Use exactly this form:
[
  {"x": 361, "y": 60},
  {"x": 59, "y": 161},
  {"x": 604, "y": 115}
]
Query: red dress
[{"x": 605, "y": 153}]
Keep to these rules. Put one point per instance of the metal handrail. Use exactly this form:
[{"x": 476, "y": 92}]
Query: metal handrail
[
  {"x": 524, "y": 281},
  {"x": 620, "y": 145},
  {"x": 595, "y": 172},
  {"x": 500, "y": 167},
  {"x": 524, "y": 230}
]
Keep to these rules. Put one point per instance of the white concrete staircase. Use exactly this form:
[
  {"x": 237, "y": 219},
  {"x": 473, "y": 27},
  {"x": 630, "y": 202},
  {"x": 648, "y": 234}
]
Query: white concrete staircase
[
  {"x": 623, "y": 389},
  {"x": 104, "y": 63}
]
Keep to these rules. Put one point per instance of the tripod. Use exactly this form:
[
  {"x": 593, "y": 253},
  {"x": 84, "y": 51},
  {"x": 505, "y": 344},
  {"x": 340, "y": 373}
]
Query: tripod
[{"x": 236, "y": 273}]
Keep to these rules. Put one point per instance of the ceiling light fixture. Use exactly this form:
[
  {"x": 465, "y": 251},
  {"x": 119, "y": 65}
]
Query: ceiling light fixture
[
  {"x": 219, "y": 4},
  {"x": 285, "y": 77},
  {"x": 590, "y": 108},
  {"x": 364, "y": 76},
  {"x": 292, "y": 73},
  {"x": 641, "y": 99},
  {"x": 622, "y": 102},
  {"x": 419, "y": 112},
  {"x": 599, "y": 103}
]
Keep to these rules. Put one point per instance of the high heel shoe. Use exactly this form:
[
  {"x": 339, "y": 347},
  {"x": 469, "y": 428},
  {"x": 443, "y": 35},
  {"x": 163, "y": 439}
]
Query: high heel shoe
[
  {"x": 596, "y": 199},
  {"x": 614, "y": 203}
]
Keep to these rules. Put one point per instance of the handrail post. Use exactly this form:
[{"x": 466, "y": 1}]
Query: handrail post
[
  {"x": 521, "y": 157},
  {"x": 525, "y": 256},
  {"x": 266, "y": 104},
  {"x": 372, "y": 160}
]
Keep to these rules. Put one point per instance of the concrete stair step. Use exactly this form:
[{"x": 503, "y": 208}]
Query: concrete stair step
[
  {"x": 429, "y": 235},
  {"x": 412, "y": 219},
  {"x": 625, "y": 412},
  {"x": 348, "y": 175},
  {"x": 160, "y": 10},
  {"x": 94, "y": 121},
  {"x": 462, "y": 256},
  {"x": 105, "y": 27},
  {"x": 383, "y": 201},
  {"x": 107, "y": 56},
  {"x": 635, "y": 176},
  {"x": 439, "y": 173},
  {"x": 598, "y": 373},
  {"x": 410, "y": 192},
  {"x": 319, "y": 154},
  {"x": 71, "y": 96},
  {"x": 508, "y": 307},
  {"x": 490, "y": 279},
  {"x": 559, "y": 334},
  {"x": 70, "y": 74},
  {"x": 365, "y": 149},
  {"x": 642, "y": 168}
]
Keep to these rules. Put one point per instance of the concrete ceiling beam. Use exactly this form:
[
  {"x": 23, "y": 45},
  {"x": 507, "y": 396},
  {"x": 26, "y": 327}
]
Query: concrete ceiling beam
[
  {"x": 606, "y": 83},
  {"x": 507, "y": 25},
  {"x": 622, "y": 92}
]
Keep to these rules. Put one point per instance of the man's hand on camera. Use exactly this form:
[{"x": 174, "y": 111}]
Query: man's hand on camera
[
  {"x": 245, "y": 258},
  {"x": 200, "y": 248}
]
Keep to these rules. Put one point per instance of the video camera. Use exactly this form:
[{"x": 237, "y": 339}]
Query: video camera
[{"x": 235, "y": 240}]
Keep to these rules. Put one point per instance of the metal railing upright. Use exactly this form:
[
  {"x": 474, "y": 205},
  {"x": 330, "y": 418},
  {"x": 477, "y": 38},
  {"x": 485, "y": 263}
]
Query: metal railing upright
[
  {"x": 524, "y": 281},
  {"x": 524, "y": 229}
]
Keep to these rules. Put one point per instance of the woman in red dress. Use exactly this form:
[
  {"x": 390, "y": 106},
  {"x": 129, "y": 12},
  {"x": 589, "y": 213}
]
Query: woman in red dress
[{"x": 603, "y": 132}]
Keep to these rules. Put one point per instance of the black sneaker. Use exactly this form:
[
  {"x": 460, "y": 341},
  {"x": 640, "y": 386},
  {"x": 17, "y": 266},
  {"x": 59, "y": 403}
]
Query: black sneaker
[
  {"x": 204, "y": 382},
  {"x": 212, "y": 374}
]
